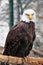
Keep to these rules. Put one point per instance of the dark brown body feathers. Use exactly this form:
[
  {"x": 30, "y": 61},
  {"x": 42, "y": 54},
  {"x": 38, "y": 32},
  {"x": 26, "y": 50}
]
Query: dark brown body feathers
[{"x": 20, "y": 39}]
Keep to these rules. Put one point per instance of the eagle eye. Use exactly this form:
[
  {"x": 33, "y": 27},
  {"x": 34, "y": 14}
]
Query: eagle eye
[
  {"x": 32, "y": 14},
  {"x": 27, "y": 14}
]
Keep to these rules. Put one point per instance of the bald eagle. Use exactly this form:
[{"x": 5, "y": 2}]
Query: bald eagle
[{"x": 20, "y": 38}]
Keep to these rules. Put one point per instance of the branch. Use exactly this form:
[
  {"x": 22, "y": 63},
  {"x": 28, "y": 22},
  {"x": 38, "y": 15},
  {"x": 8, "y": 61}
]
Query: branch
[
  {"x": 18, "y": 60},
  {"x": 41, "y": 17},
  {"x": 38, "y": 52}
]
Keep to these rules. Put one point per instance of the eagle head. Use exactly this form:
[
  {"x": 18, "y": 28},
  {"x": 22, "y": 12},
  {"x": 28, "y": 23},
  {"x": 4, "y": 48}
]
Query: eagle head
[{"x": 29, "y": 15}]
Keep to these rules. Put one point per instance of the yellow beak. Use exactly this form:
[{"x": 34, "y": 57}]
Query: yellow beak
[{"x": 30, "y": 16}]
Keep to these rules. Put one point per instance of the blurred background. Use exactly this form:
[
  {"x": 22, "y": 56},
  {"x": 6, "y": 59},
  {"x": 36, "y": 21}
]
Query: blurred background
[{"x": 10, "y": 8}]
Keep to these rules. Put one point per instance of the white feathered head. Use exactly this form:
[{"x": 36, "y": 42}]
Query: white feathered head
[{"x": 29, "y": 15}]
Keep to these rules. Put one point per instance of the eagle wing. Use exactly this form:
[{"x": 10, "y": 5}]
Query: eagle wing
[{"x": 18, "y": 40}]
